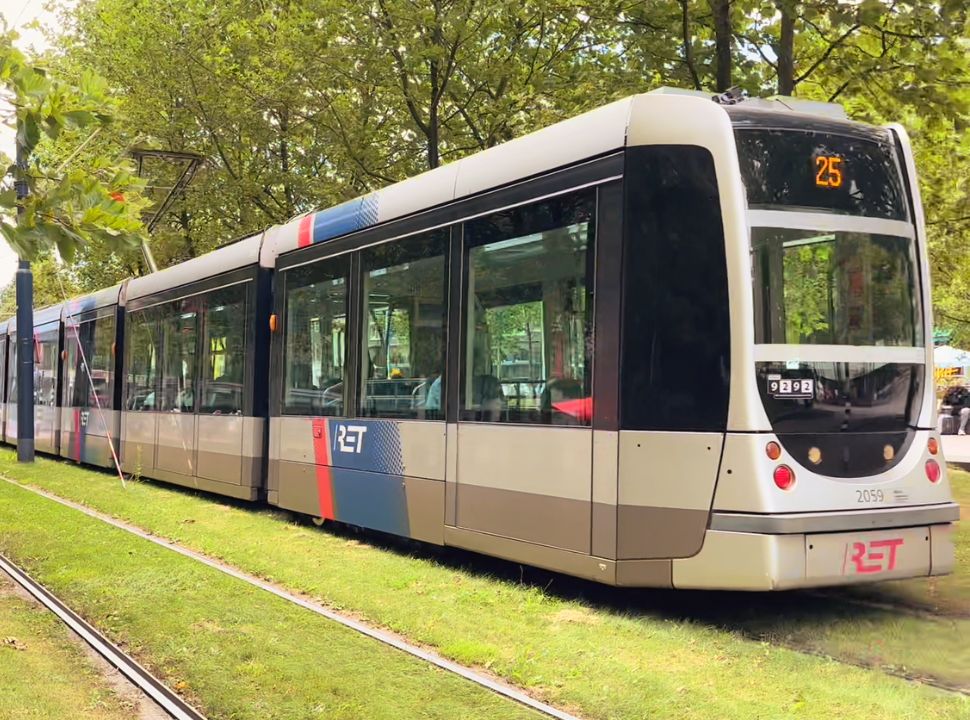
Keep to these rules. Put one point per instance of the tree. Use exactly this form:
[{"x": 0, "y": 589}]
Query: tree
[{"x": 67, "y": 205}]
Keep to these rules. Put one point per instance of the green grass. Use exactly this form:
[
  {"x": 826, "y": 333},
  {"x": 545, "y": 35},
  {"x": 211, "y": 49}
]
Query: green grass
[
  {"x": 949, "y": 594},
  {"x": 607, "y": 653},
  {"x": 239, "y": 652},
  {"x": 43, "y": 673}
]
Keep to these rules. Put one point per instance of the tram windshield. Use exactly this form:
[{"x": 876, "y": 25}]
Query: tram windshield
[{"x": 834, "y": 288}]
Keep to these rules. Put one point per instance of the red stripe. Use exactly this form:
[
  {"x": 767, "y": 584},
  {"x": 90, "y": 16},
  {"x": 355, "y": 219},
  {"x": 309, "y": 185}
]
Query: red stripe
[
  {"x": 304, "y": 234},
  {"x": 321, "y": 456}
]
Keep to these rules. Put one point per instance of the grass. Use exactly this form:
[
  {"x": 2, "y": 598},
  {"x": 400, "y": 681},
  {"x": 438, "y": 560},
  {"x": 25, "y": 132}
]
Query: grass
[
  {"x": 607, "y": 653},
  {"x": 237, "y": 651},
  {"x": 43, "y": 673},
  {"x": 949, "y": 594}
]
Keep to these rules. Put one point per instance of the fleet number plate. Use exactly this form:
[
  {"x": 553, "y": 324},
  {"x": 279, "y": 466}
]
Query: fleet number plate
[{"x": 790, "y": 388}]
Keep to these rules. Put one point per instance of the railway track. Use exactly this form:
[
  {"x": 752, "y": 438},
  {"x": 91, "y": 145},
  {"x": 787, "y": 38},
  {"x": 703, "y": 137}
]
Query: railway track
[
  {"x": 167, "y": 700},
  {"x": 388, "y": 638}
]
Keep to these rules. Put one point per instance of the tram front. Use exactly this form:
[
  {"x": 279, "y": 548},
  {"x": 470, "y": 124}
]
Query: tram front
[{"x": 841, "y": 479}]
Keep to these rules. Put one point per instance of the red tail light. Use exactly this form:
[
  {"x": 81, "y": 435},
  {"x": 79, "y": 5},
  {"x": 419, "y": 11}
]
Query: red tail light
[
  {"x": 933, "y": 471},
  {"x": 785, "y": 477}
]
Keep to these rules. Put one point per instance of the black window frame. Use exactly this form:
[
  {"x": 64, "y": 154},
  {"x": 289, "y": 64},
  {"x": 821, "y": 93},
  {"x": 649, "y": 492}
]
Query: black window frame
[{"x": 81, "y": 319}]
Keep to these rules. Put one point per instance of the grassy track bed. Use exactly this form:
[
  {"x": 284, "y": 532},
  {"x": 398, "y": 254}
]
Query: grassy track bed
[
  {"x": 234, "y": 650},
  {"x": 605, "y": 653},
  {"x": 44, "y": 674},
  {"x": 949, "y": 595}
]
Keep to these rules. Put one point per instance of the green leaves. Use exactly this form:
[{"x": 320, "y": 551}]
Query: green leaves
[{"x": 64, "y": 209}]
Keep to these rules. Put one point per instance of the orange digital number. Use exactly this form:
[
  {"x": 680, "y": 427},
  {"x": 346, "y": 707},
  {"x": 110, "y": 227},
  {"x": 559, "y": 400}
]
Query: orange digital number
[{"x": 828, "y": 171}]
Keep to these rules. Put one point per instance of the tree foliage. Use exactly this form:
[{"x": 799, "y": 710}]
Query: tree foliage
[
  {"x": 68, "y": 205},
  {"x": 298, "y": 104}
]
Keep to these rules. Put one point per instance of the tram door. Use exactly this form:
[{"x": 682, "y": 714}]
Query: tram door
[{"x": 524, "y": 441}]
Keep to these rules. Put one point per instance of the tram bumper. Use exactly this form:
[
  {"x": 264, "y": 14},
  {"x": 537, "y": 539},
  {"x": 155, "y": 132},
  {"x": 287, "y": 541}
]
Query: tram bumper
[{"x": 777, "y": 552}]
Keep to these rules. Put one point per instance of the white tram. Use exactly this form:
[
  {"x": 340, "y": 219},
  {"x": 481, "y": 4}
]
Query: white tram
[{"x": 668, "y": 343}]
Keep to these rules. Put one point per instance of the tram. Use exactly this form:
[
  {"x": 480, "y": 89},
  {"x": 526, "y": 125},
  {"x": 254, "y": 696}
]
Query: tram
[{"x": 670, "y": 342}]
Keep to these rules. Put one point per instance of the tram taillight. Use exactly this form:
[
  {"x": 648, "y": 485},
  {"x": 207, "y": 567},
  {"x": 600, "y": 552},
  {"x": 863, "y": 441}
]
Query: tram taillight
[
  {"x": 784, "y": 477},
  {"x": 933, "y": 445},
  {"x": 773, "y": 450},
  {"x": 933, "y": 471}
]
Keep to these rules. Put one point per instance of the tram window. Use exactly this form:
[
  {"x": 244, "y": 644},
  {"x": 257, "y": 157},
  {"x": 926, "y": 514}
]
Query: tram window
[
  {"x": 404, "y": 343},
  {"x": 97, "y": 337},
  {"x": 528, "y": 329},
  {"x": 141, "y": 359},
  {"x": 675, "y": 356},
  {"x": 179, "y": 331},
  {"x": 315, "y": 346},
  {"x": 12, "y": 369},
  {"x": 834, "y": 288},
  {"x": 225, "y": 351},
  {"x": 45, "y": 368},
  {"x": 3, "y": 363}
]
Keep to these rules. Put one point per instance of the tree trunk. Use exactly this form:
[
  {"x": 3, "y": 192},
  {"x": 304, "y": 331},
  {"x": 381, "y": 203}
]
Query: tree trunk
[
  {"x": 723, "y": 35},
  {"x": 786, "y": 48}
]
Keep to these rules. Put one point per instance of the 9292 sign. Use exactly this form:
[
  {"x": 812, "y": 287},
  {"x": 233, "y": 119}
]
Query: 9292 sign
[{"x": 790, "y": 388}]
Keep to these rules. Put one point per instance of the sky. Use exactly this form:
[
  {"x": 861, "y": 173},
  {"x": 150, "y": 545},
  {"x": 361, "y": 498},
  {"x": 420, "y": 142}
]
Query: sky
[{"x": 19, "y": 13}]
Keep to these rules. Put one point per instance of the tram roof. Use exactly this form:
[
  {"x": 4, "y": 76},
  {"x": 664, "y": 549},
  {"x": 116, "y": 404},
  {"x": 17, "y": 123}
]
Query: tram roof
[
  {"x": 221, "y": 260},
  {"x": 113, "y": 295},
  {"x": 584, "y": 137},
  {"x": 43, "y": 316}
]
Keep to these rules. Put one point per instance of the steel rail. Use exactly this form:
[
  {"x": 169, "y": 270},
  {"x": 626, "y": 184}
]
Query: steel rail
[
  {"x": 151, "y": 686},
  {"x": 384, "y": 636}
]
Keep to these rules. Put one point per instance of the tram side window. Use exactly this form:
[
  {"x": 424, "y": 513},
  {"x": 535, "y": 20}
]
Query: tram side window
[
  {"x": 3, "y": 363},
  {"x": 404, "y": 343},
  {"x": 12, "y": 369},
  {"x": 315, "y": 346},
  {"x": 675, "y": 357},
  {"x": 45, "y": 368},
  {"x": 528, "y": 328},
  {"x": 141, "y": 359},
  {"x": 225, "y": 351},
  {"x": 180, "y": 327},
  {"x": 97, "y": 337}
]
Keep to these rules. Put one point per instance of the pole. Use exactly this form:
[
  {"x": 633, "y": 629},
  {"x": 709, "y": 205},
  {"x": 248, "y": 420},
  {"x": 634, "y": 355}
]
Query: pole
[{"x": 25, "y": 333}]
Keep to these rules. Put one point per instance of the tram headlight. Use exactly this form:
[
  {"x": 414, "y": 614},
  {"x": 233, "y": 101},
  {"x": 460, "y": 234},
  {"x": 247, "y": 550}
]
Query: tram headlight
[
  {"x": 888, "y": 453},
  {"x": 784, "y": 477},
  {"x": 933, "y": 445},
  {"x": 933, "y": 471}
]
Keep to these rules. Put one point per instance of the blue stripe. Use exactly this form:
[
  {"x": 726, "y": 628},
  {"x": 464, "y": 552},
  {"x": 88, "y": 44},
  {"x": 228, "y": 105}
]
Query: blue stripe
[
  {"x": 372, "y": 500},
  {"x": 345, "y": 218}
]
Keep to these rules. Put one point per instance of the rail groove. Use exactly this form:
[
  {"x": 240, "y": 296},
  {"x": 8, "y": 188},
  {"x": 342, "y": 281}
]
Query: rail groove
[
  {"x": 384, "y": 636},
  {"x": 173, "y": 705}
]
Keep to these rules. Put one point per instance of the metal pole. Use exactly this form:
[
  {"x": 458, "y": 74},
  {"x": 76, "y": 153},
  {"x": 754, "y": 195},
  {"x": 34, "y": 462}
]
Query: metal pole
[{"x": 25, "y": 333}]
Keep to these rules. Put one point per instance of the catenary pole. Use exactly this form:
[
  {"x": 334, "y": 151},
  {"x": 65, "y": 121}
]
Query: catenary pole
[{"x": 25, "y": 330}]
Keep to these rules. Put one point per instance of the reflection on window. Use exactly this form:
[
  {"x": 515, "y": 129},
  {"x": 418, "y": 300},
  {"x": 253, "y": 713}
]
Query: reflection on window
[
  {"x": 12, "y": 369},
  {"x": 141, "y": 359},
  {"x": 179, "y": 325},
  {"x": 404, "y": 299},
  {"x": 97, "y": 338},
  {"x": 529, "y": 329},
  {"x": 315, "y": 348},
  {"x": 225, "y": 348},
  {"x": 834, "y": 288},
  {"x": 45, "y": 368}
]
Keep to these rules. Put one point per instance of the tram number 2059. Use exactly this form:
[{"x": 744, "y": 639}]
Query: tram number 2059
[{"x": 870, "y": 496}]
